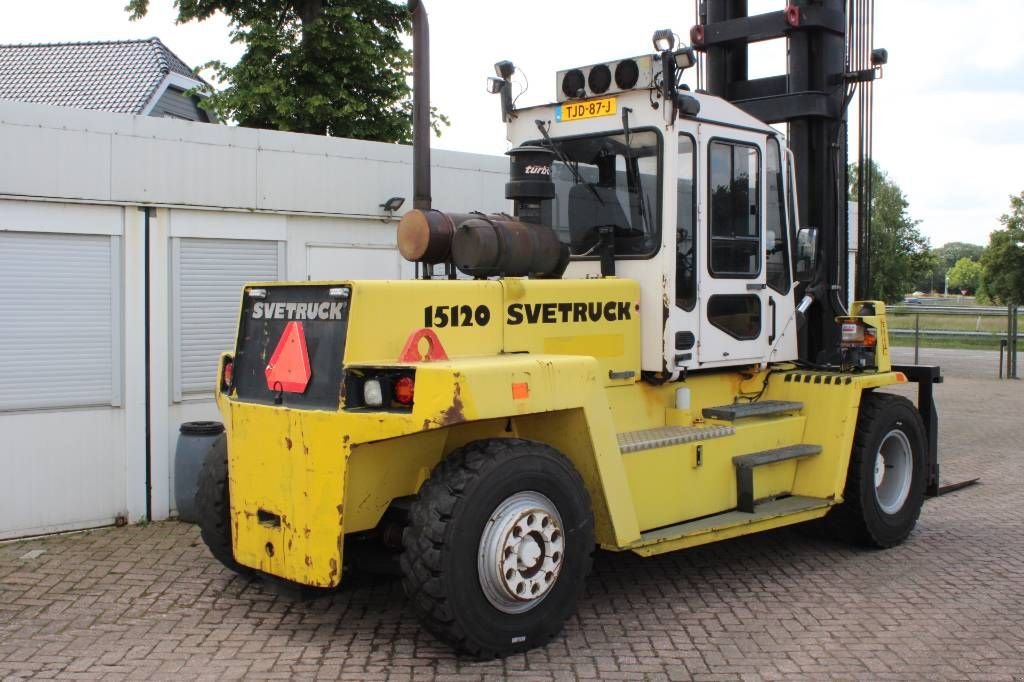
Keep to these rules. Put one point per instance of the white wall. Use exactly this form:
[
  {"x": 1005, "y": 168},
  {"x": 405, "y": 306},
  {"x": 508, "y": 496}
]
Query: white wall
[{"x": 94, "y": 173}]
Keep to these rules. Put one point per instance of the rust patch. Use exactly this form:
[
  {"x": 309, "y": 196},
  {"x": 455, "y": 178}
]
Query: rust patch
[
  {"x": 305, "y": 449},
  {"x": 309, "y": 561},
  {"x": 454, "y": 414},
  {"x": 306, "y": 532},
  {"x": 334, "y": 570},
  {"x": 288, "y": 442},
  {"x": 345, "y": 439}
]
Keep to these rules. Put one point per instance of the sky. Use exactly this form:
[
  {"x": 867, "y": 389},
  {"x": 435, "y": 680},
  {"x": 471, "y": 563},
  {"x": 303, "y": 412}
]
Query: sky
[{"x": 949, "y": 110}]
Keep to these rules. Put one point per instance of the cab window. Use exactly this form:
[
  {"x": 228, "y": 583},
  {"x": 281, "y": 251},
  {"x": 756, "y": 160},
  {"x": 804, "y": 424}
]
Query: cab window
[
  {"x": 734, "y": 190},
  {"x": 776, "y": 228},
  {"x": 686, "y": 241}
]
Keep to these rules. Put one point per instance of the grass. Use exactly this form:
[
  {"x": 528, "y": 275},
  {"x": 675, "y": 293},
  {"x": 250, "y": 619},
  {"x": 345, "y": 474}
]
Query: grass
[
  {"x": 967, "y": 342},
  {"x": 964, "y": 323}
]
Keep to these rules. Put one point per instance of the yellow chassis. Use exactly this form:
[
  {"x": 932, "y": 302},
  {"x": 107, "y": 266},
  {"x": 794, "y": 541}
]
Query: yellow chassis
[{"x": 327, "y": 474}]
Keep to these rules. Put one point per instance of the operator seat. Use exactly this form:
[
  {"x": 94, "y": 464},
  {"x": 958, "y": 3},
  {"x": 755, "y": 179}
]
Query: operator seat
[{"x": 591, "y": 206}]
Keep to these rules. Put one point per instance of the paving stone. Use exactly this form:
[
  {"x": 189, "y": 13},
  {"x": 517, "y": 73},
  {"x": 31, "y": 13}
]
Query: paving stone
[{"x": 148, "y": 602}]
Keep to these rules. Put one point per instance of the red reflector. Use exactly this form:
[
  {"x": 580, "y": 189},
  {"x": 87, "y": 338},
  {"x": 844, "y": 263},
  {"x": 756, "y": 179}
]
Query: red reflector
[
  {"x": 697, "y": 35},
  {"x": 793, "y": 16},
  {"x": 288, "y": 369},
  {"x": 228, "y": 373},
  {"x": 403, "y": 390}
]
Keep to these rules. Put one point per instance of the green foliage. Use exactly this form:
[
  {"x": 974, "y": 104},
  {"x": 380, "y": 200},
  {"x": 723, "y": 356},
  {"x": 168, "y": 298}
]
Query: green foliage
[
  {"x": 1003, "y": 260},
  {"x": 899, "y": 253},
  {"x": 965, "y": 275},
  {"x": 327, "y": 67},
  {"x": 946, "y": 257}
]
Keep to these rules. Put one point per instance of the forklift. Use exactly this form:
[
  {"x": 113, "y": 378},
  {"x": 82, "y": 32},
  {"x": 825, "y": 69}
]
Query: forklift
[{"x": 651, "y": 352}]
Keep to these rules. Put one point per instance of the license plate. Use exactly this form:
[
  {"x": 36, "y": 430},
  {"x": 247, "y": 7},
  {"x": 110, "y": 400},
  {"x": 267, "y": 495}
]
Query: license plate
[{"x": 573, "y": 111}]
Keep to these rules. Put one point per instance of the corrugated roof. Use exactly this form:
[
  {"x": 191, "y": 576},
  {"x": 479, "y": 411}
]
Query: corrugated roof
[{"x": 119, "y": 76}]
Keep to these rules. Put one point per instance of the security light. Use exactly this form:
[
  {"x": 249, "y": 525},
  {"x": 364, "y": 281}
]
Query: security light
[
  {"x": 393, "y": 204},
  {"x": 879, "y": 56},
  {"x": 504, "y": 69},
  {"x": 664, "y": 39}
]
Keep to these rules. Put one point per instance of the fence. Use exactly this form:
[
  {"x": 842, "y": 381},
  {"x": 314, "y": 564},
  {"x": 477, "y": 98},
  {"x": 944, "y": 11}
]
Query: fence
[{"x": 950, "y": 325}]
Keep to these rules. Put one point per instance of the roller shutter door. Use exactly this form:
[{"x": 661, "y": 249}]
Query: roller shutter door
[
  {"x": 209, "y": 274},
  {"x": 60, "y": 311}
]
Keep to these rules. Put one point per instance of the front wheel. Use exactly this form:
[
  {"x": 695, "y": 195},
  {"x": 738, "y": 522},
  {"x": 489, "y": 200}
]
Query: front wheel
[
  {"x": 886, "y": 478},
  {"x": 498, "y": 547}
]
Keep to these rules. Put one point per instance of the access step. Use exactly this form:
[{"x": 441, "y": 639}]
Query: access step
[
  {"x": 745, "y": 465},
  {"x": 707, "y": 529},
  {"x": 762, "y": 408},
  {"x": 662, "y": 436}
]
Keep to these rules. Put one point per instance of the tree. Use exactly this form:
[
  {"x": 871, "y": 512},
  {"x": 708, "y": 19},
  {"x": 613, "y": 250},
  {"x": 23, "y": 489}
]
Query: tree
[
  {"x": 899, "y": 253},
  {"x": 965, "y": 275},
  {"x": 946, "y": 257},
  {"x": 1003, "y": 260},
  {"x": 328, "y": 67}
]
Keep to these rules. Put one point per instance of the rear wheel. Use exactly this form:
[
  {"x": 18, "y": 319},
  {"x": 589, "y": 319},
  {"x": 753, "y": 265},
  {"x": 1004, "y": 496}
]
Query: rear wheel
[
  {"x": 886, "y": 479},
  {"x": 498, "y": 547},
  {"x": 213, "y": 506}
]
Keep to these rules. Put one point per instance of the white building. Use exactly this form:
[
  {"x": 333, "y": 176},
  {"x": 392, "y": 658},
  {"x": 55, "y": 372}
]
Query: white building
[{"x": 123, "y": 244}]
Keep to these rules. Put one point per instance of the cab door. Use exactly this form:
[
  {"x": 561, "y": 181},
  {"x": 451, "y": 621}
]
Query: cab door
[{"x": 734, "y": 321}]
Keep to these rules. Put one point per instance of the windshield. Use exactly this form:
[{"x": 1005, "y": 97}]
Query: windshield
[{"x": 600, "y": 181}]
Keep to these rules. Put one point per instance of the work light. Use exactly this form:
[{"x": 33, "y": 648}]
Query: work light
[
  {"x": 495, "y": 85},
  {"x": 504, "y": 69},
  {"x": 685, "y": 58},
  {"x": 664, "y": 39}
]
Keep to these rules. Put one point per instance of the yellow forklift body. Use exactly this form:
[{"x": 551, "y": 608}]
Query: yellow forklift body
[{"x": 551, "y": 361}]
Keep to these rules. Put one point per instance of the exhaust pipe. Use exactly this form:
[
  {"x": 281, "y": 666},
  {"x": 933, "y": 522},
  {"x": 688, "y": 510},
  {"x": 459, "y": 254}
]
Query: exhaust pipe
[{"x": 420, "y": 106}]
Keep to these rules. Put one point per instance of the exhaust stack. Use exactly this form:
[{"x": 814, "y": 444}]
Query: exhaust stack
[{"x": 420, "y": 106}]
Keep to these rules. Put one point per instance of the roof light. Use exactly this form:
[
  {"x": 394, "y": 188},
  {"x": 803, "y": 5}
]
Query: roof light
[
  {"x": 600, "y": 79},
  {"x": 338, "y": 292},
  {"x": 504, "y": 69},
  {"x": 627, "y": 73},
  {"x": 257, "y": 293},
  {"x": 664, "y": 39},
  {"x": 495, "y": 85},
  {"x": 573, "y": 83}
]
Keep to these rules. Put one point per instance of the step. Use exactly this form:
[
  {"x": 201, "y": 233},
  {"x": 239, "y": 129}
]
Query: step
[
  {"x": 762, "y": 408},
  {"x": 745, "y": 469},
  {"x": 784, "y": 506},
  {"x": 662, "y": 436}
]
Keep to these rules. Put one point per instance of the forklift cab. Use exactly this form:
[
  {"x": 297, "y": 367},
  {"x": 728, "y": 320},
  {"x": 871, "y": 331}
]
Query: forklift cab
[{"x": 699, "y": 209}]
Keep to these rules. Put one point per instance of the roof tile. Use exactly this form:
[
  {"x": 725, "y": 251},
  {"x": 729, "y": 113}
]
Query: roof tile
[{"x": 119, "y": 76}]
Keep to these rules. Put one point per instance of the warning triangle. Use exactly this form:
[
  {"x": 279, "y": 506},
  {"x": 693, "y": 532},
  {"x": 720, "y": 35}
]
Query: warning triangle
[{"x": 288, "y": 369}]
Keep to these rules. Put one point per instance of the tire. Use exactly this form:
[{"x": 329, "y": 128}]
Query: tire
[
  {"x": 497, "y": 517},
  {"x": 213, "y": 506},
  {"x": 886, "y": 479}
]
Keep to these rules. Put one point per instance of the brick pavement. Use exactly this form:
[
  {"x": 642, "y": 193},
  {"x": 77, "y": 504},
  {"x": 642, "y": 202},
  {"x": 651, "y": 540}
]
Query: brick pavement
[{"x": 149, "y": 603}]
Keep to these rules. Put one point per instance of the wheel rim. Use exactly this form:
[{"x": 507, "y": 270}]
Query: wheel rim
[
  {"x": 894, "y": 466},
  {"x": 521, "y": 553}
]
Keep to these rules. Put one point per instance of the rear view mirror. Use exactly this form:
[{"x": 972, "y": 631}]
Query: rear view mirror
[{"x": 806, "y": 254}]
